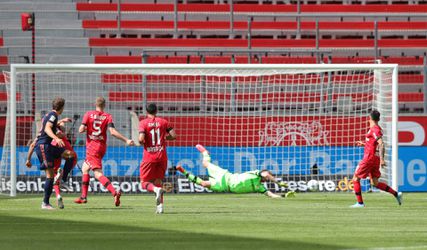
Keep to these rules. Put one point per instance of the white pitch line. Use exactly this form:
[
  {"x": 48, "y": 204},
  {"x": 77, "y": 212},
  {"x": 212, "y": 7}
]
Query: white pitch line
[{"x": 392, "y": 248}]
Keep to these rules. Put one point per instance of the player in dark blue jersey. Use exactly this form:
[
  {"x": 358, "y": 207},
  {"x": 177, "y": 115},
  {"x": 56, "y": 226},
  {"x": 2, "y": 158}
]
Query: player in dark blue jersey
[{"x": 46, "y": 152}]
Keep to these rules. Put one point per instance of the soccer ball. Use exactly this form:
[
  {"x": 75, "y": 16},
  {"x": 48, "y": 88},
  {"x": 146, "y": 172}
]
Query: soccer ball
[{"x": 313, "y": 186}]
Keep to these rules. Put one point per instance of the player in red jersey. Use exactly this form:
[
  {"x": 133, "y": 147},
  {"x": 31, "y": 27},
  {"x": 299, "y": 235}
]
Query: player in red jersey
[
  {"x": 371, "y": 162},
  {"x": 153, "y": 133},
  {"x": 95, "y": 123}
]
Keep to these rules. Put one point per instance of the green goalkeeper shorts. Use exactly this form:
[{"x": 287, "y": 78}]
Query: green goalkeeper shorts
[{"x": 217, "y": 178}]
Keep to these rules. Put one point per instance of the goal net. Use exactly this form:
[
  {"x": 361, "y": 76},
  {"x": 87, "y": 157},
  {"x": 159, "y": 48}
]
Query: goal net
[{"x": 299, "y": 121}]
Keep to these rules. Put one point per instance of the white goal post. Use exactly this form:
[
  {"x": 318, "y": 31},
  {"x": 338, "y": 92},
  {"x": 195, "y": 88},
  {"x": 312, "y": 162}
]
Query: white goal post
[{"x": 298, "y": 120}]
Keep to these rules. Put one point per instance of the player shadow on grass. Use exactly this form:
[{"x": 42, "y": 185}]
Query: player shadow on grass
[{"x": 38, "y": 233}]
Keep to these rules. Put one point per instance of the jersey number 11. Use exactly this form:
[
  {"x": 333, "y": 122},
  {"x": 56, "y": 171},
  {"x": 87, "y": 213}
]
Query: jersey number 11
[{"x": 155, "y": 132}]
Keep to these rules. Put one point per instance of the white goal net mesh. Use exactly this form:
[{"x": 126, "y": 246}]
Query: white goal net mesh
[{"x": 300, "y": 124}]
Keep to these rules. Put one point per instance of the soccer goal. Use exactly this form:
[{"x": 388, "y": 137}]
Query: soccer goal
[{"x": 299, "y": 121}]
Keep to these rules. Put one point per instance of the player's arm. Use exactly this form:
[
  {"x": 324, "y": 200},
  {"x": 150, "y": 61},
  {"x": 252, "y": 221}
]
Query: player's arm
[
  {"x": 272, "y": 195},
  {"x": 48, "y": 130},
  {"x": 269, "y": 177},
  {"x": 118, "y": 135},
  {"x": 171, "y": 135},
  {"x": 381, "y": 148},
  {"x": 360, "y": 143},
  {"x": 30, "y": 153},
  {"x": 82, "y": 128},
  {"x": 141, "y": 138},
  {"x": 62, "y": 122}
]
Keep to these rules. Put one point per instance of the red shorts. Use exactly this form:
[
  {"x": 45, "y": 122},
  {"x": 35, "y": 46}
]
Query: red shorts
[
  {"x": 152, "y": 170},
  {"x": 369, "y": 167},
  {"x": 94, "y": 157},
  {"x": 93, "y": 161}
]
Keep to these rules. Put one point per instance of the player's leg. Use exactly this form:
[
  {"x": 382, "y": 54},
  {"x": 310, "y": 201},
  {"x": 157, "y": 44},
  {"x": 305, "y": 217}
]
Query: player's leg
[
  {"x": 99, "y": 175},
  {"x": 159, "y": 195},
  {"x": 56, "y": 182},
  {"x": 384, "y": 187},
  {"x": 145, "y": 176},
  {"x": 361, "y": 172},
  {"x": 48, "y": 186},
  {"x": 57, "y": 179},
  {"x": 204, "y": 152},
  {"x": 46, "y": 164},
  {"x": 148, "y": 173},
  {"x": 68, "y": 166},
  {"x": 191, "y": 177},
  {"x": 376, "y": 174},
  {"x": 358, "y": 192},
  {"x": 151, "y": 175},
  {"x": 85, "y": 184}
]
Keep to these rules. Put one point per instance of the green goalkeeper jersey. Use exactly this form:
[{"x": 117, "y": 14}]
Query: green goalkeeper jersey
[{"x": 248, "y": 182}]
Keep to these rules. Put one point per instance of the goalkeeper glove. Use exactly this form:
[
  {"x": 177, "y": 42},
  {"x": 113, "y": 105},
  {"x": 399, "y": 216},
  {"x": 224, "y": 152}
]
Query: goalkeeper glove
[
  {"x": 283, "y": 184},
  {"x": 290, "y": 194}
]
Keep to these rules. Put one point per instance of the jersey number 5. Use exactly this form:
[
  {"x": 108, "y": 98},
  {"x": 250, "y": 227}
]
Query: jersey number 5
[
  {"x": 96, "y": 127},
  {"x": 155, "y": 132}
]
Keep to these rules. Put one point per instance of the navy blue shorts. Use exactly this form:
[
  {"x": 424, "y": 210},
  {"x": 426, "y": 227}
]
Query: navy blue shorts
[{"x": 47, "y": 154}]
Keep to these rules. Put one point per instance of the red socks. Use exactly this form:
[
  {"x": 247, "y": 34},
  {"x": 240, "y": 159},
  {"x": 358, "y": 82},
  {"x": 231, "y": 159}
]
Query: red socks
[
  {"x": 148, "y": 186},
  {"x": 385, "y": 187},
  {"x": 107, "y": 184},
  {"x": 358, "y": 191},
  {"x": 85, "y": 185},
  {"x": 56, "y": 188}
]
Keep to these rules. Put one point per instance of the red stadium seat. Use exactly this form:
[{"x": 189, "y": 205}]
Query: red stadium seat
[
  {"x": 151, "y": 79},
  {"x": 118, "y": 59},
  {"x": 280, "y": 97},
  {"x": 249, "y": 8},
  {"x": 1, "y": 42},
  {"x": 152, "y": 96},
  {"x": 407, "y": 61},
  {"x": 411, "y": 97},
  {"x": 355, "y": 97},
  {"x": 256, "y": 25},
  {"x": 411, "y": 79},
  {"x": 2, "y": 79},
  {"x": 287, "y": 60},
  {"x": 256, "y": 43},
  {"x": 3, "y": 96},
  {"x": 218, "y": 59},
  {"x": 3, "y": 60}
]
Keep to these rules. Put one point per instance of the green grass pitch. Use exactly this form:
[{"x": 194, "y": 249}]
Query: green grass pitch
[{"x": 216, "y": 221}]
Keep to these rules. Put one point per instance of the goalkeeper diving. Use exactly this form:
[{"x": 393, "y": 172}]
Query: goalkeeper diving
[{"x": 220, "y": 180}]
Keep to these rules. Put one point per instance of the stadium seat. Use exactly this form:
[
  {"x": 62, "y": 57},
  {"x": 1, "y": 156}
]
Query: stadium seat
[
  {"x": 256, "y": 25},
  {"x": 411, "y": 79},
  {"x": 3, "y": 96},
  {"x": 249, "y": 8},
  {"x": 118, "y": 59},
  {"x": 279, "y": 97},
  {"x": 153, "y": 96},
  {"x": 3, "y": 60},
  {"x": 411, "y": 97},
  {"x": 154, "y": 79},
  {"x": 256, "y": 43}
]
